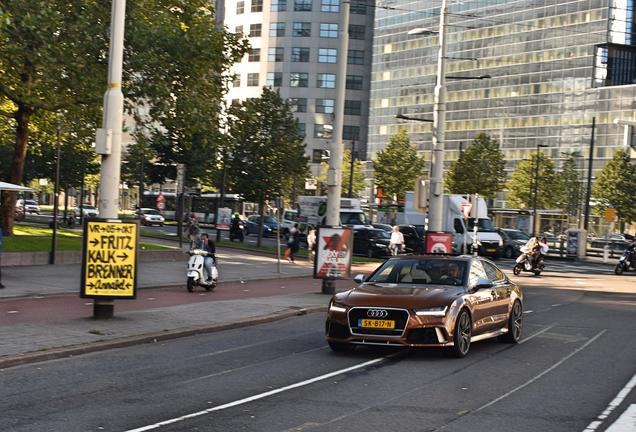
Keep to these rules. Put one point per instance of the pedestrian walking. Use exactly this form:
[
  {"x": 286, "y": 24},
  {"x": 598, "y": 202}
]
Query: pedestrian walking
[
  {"x": 311, "y": 243},
  {"x": 396, "y": 244},
  {"x": 193, "y": 229},
  {"x": 293, "y": 243}
]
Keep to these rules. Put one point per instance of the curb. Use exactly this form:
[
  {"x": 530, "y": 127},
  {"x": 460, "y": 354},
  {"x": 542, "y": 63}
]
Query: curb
[{"x": 75, "y": 350}]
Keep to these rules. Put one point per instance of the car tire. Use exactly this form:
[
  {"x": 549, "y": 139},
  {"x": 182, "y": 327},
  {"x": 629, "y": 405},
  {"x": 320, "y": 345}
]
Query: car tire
[
  {"x": 509, "y": 252},
  {"x": 515, "y": 324},
  {"x": 341, "y": 347},
  {"x": 461, "y": 335}
]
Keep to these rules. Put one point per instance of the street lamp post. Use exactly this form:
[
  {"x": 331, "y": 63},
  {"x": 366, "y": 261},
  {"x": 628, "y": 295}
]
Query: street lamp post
[
  {"x": 56, "y": 197},
  {"x": 588, "y": 191},
  {"x": 535, "y": 191}
]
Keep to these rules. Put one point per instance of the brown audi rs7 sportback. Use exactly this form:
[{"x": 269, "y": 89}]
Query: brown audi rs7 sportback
[{"x": 427, "y": 301}]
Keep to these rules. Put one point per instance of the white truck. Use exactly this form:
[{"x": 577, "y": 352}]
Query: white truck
[
  {"x": 488, "y": 240},
  {"x": 313, "y": 209}
]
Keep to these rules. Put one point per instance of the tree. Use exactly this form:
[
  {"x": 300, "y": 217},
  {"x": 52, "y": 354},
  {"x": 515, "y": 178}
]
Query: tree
[
  {"x": 267, "y": 153},
  {"x": 480, "y": 169},
  {"x": 398, "y": 166},
  {"x": 358, "y": 184},
  {"x": 616, "y": 185},
  {"x": 51, "y": 53},
  {"x": 570, "y": 199},
  {"x": 522, "y": 183}
]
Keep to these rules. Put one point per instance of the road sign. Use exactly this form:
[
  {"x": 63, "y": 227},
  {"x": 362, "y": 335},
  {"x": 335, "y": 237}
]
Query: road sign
[
  {"x": 109, "y": 259},
  {"x": 466, "y": 209}
]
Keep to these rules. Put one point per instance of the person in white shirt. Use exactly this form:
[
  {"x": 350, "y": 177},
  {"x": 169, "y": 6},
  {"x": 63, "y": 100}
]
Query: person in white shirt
[{"x": 396, "y": 244}]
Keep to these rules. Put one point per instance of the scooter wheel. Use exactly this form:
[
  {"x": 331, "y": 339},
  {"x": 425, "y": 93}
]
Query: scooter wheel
[
  {"x": 537, "y": 272},
  {"x": 619, "y": 269},
  {"x": 516, "y": 270},
  {"x": 190, "y": 284}
]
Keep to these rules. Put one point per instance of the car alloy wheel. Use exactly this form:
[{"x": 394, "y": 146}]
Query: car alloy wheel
[
  {"x": 515, "y": 323},
  {"x": 508, "y": 252},
  {"x": 462, "y": 335}
]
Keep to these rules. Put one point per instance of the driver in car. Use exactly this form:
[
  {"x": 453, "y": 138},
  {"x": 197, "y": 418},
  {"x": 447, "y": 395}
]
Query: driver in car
[{"x": 453, "y": 275}]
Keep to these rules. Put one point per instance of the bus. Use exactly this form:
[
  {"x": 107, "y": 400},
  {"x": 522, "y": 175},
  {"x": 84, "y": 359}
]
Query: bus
[{"x": 202, "y": 205}]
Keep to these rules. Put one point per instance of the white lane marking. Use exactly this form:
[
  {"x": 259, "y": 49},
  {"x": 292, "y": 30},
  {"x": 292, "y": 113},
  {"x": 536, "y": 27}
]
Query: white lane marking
[
  {"x": 524, "y": 340},
  {"x": 556, "y": 304},
  {"x": 551, "y": 368},
  {"x": 258, "y": 396},
  {"x": 528, "y": 312},
  {"x": 612, "y": 405},
  {"x": 626, "y": 422}
]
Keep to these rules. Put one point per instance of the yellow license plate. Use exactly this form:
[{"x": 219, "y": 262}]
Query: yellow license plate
[{"x": 376, "y": 323}]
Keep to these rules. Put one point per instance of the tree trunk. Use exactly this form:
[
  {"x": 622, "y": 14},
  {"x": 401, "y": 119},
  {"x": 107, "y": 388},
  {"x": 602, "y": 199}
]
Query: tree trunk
[
  {"x": 261, "y": 212},
  {"x": 22, "y": 117}
]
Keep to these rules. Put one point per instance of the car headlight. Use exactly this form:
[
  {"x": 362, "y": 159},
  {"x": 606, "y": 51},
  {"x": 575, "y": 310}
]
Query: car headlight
[
  {"x": 436, "y": 311},
  {"x": 500, "y": 242},
  {"x": 337, "y": 307}
]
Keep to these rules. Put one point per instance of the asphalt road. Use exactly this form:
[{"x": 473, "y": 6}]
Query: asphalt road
[{"x": 575, "y": 363}]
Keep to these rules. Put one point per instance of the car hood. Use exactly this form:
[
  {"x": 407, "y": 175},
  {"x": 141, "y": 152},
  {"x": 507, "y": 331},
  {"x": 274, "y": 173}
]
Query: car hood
[{"x": 404, "y": 295}]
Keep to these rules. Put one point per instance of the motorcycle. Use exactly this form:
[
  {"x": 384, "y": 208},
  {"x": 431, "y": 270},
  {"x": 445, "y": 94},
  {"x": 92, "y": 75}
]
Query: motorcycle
[
  {"x": 626, "y": 261},
  {"x": 525, "y": 263},
  {"x": 196, "y": 271},
  {"x": 237, "y": 233}
]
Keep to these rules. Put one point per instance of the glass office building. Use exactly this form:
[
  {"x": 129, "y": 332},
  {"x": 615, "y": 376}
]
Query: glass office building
[{"x": 554, "y": 65}]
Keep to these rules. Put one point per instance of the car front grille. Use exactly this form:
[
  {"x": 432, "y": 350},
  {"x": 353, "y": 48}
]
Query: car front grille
[{"x": 400, "y": 316}]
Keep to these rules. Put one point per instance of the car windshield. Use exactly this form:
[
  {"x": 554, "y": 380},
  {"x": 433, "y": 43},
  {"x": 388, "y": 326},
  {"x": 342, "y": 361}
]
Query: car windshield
[
  {"x": 483, "y": 225},
  {"x": 429, "y": 271},
  {"x": 268, "y": 220},
  {"x": 30, "y": 202},
  {"x": 517, "y": 235},
  {"x": 351, "y": 218},
  {"x": 88, "y": 207},
  {"x": 379, "y": 234},
  {"x": 150, "y": 212}
]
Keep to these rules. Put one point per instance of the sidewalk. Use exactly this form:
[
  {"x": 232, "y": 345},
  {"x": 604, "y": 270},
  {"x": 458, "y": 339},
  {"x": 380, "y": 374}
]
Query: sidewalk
[{"x": 42, "y": 316}]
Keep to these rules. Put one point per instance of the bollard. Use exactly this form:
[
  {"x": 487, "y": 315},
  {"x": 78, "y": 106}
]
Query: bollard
[
  {"x": 606, "y": 250},
  {"x": 329, "y": 286}
]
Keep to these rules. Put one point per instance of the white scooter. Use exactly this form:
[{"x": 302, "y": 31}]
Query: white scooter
[{"x": 196, "y": 271}]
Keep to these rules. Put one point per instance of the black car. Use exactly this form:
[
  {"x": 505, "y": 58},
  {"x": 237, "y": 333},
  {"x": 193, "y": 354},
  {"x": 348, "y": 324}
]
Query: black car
[
  {"x": 270, "y": 225},
  {"x": 371, "y": 242},
  {"x": 413, "y": 238},
  {"x": 513, "y": 240}
]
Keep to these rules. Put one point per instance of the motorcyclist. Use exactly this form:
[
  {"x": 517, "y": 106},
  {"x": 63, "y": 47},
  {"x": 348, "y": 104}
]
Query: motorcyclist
[
  {"x": 534, "y": 250},
  {"x": 208, "y": 246},
  {"x": 236, "y": 225}
]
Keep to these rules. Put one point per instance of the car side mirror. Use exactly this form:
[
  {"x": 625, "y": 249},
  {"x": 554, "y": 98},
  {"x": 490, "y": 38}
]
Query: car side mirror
[
  {"x": 359, "y": 278},
  {"x": 482, "y": 283}
]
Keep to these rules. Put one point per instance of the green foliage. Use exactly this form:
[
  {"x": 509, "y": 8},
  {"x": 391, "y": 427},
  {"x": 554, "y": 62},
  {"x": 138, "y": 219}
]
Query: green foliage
[
  {"x": 397, "y": 166},
  {"x": 521, "y": 184},
  {"x": 358, "y": 184},
  {"x": 479, "y": 169},
  {"x": 267, "y": 153},
  {"x": 616, "y": 187},
  {"x": 570, "y": 199}
]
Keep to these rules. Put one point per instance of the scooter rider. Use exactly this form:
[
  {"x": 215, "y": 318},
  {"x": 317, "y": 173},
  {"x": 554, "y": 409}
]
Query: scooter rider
[
  {"x": 236, "y": 225},
  {"x": 208, "y": 245},
  {"x": 534, "y": 250}
]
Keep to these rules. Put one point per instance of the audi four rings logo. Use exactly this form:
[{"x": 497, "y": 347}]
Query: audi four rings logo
[{"x": 377, "y": 313}]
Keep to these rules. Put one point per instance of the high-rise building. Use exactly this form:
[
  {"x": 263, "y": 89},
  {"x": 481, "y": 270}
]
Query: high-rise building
[
  {"x": 295, "y": 46},
  {"x": 554, "y": 65}
]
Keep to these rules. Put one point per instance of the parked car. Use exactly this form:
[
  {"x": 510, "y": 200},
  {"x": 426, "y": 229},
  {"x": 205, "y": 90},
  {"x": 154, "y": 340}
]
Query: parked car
[
  {"x": 371, "y": 242},
  {"x": 427, "y": 301},
  {"x": 87, "y": 210},
  {"x": 150, "y": 216},
  {"x": 413, "y": 238},
  {"x": 513, "y": 240},
  {"x": 270, "y": 226},
  {"x": 27, "y": 206}
]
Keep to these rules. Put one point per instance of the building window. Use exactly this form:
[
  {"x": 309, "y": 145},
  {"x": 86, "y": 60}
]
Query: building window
[
  {"x": 238, "y": 29},
  {"x": 356, "y": 32},
  {"x": 358, "y": 7},
  {"x": 240, "y": 7},
  {"x": 355, "y": 57},
  {"x": 353, "y": 107},
  {"x": 236, "y": 82},
  {"x": 274, "y": 79},
  {"x": 300, "y": 55},
  {"x": 301, "y": 29},
  {"x": 275, "y": 54},
  {"x": 351, "y": 132},
  {"x": 256, "y": 30},
  {"x": 236, "y": 102},
  {"x": 302, "y": 5},
  {"x": 252, "y": 80},
  {"x": 326, "y": 80},
  {"x": 298, "y": 104},
  {"x": 277, "y": 29},
  {"x": 327, "y": 55},
  {"x": 328, "y": 30},
  {"x": 257, "y": 6},
  {"x": 298, "y": 79},
  {"x": 323, "y": 130},
  {"x": 325, "y": 106},
  {"x": 354, "y": 82},
  {"x": 302, "y": 128},
  {"x": 330, "y": 6},
  {"x": 254, "y": 55},
  {"x": 279, "y": 5}
]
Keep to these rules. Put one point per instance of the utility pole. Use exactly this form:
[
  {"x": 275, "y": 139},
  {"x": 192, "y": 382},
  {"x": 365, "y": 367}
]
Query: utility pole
[
  {"x": 588, "y": 191},
  {"x": 108, "y": 142},
  {"x": 56, "y": 197}
]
